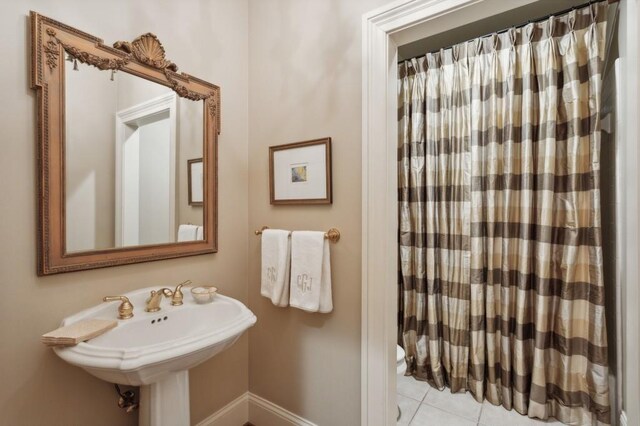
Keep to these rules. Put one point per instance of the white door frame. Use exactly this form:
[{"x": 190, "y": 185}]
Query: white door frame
[
  {"x": 383, "y": 30},
  {"x": 166, "y": 102}
]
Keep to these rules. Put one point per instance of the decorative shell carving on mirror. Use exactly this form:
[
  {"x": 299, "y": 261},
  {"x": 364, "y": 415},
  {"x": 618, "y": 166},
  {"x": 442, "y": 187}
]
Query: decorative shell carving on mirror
[{"x": 146, "y": 49}]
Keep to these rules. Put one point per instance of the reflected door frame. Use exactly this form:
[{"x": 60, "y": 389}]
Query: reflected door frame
[{"x": 167, "y": 102}]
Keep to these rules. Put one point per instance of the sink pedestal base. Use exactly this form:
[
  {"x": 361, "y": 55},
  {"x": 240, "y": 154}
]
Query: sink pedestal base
[{"x": 166, "y": 402}]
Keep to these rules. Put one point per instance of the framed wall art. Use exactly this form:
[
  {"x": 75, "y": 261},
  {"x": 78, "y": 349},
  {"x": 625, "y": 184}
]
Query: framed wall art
[{"x": 300, "y": 173}]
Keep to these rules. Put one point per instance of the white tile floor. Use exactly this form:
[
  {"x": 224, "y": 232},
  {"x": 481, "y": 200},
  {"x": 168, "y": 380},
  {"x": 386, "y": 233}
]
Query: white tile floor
[{"x": 423, "y": 405}]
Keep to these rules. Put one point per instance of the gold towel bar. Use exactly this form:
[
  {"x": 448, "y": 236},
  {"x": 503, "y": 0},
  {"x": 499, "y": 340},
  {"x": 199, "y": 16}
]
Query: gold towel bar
[{"x": 332, "y": 234}]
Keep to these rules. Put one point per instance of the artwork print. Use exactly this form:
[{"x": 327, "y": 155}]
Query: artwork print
[{"x": 299, "y": 174}]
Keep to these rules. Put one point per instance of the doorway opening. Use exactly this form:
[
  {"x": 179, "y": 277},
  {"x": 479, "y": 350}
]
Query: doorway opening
[
  {"x": 145, "y": 173},
  {"x": 387, "y": 30}
]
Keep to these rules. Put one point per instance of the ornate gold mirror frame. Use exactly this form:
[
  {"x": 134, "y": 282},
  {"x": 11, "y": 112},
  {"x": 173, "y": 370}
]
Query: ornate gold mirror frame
[{"x": 144, "y": 57}]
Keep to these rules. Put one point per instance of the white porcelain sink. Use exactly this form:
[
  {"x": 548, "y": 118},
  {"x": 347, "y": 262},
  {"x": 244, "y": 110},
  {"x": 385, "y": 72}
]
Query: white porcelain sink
[{"x": 155, "y": 350}]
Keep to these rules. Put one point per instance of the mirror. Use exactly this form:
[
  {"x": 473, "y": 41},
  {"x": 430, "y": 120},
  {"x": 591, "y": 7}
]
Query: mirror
[
  {"x": 127, "y": 152},
  {"x": 127, "y": 163}
]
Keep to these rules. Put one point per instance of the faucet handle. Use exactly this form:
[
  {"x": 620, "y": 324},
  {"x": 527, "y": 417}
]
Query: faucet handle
[
  {"x": 176, "y": 299},
  {"x": 125, "y": 310},
  {"x": 165, "y": 291}
]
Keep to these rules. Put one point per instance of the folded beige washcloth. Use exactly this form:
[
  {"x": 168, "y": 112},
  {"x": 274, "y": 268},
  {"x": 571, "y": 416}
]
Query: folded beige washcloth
[{"x": 77, "y": 332}]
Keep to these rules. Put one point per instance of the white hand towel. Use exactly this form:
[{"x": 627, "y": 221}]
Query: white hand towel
[
  {"x": 187, "y": 232},
  {"x": 276, "y": 258},
  {"x": 310, "y": 272},
  {"x": 200, "y": 233}
]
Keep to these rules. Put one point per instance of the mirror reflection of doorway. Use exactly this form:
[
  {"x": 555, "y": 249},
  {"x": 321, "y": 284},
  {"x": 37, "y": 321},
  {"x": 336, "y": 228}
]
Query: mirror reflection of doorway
[{"x": 145, "y": 171}]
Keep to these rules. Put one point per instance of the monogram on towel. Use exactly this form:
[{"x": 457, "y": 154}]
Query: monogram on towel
[
  {"x": 310, "y": 272},
  {"x": 276, "y": 258},
  {"x": 304, "y": 283}
]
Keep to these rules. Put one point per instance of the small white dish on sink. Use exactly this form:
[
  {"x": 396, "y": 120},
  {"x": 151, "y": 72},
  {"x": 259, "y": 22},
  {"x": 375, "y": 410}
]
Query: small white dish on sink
[{"x": 204, "y": 294}]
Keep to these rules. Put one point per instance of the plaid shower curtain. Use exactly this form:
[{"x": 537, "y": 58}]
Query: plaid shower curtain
[{"x": 501, "y": 288}]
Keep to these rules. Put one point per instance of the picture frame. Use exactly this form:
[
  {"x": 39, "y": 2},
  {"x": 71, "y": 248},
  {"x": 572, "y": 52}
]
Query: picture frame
[
  {"x": 300, "y": 173},
  {"x": 195, "y": 181}
]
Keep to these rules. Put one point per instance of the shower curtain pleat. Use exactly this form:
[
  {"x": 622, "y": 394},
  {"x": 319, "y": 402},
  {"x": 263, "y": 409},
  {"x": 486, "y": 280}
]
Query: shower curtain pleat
[{"x": 500, "y": 252}]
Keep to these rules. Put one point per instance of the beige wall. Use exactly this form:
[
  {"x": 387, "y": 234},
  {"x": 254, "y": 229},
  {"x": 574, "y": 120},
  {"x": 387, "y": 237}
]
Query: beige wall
[
  {"x": 305, "y": 83},
  {"x": 190, "y": 116},
  {"x": 207, "y": 39},
  {"x": 90, "y": 159}
]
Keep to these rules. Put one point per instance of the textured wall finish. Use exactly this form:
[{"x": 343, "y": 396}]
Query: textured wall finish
[
  {"x": 207, "y": 39},
  {"x": 305, "y": 83}
]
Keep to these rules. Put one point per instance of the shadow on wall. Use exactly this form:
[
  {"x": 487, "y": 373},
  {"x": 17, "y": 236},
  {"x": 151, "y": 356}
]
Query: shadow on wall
[
  {"x": 307, "y": 69},
  {"x": 41, "y": 392}
]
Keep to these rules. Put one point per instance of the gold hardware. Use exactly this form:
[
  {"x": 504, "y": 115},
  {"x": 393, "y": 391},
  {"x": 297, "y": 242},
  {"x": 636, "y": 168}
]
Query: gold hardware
[
  {"x": 125, "y": 310},
  {"x": 176, "y": 299},
  {"x": 153, "y": 302},
  {"x": 259, "y": 231},
  {"x": 332, "y": 234}
]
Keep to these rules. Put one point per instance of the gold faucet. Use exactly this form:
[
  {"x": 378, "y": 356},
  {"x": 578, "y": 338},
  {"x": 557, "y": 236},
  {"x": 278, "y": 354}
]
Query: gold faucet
[
  {"x": 153, "y": 302},
  {"x": 176, "y": 299}
]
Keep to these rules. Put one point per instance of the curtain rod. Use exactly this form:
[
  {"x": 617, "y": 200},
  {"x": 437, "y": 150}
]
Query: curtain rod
[{"x": 561, "y": 12}]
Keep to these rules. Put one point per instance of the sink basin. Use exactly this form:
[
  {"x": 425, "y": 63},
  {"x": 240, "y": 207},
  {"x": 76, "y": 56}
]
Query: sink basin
[{"x": 154, "y": 350}]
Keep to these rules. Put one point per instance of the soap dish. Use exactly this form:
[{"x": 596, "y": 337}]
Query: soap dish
[{"x": 204, "y": 294}]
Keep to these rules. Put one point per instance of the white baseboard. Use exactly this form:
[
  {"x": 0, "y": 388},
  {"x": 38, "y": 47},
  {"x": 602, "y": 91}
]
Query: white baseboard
[
  {"x": 263, "y": 412},
  {"x": 235, "y": 413},
  {"x": 249, "y": 407},
  {"x": 623, "y": 419}
]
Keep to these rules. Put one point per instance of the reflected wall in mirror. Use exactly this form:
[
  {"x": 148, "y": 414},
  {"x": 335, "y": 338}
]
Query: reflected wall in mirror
[
  {"x": 118, "y": 127},
  {"x": 123, "y": 182}
]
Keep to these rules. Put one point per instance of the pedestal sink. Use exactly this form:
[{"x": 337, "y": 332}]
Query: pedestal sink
[{"x": 156, "y": 350}]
